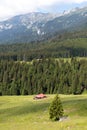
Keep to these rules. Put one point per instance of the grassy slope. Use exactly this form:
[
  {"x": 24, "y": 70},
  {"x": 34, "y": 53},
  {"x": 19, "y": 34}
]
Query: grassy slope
[{"x": 24, "y": 113}]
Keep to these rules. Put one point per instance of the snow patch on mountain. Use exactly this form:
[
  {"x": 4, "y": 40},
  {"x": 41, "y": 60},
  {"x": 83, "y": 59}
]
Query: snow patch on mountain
[{"x": 5, "y": 27}]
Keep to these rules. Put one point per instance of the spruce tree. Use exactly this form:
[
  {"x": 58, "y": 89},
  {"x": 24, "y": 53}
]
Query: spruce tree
[{"x": 56, "y": 109}]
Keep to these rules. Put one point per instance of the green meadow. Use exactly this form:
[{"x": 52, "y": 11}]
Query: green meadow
[{"x": 25, "y": 113}]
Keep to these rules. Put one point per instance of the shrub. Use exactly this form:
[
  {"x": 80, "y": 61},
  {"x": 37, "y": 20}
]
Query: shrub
[{"x": 56, "y": 109}]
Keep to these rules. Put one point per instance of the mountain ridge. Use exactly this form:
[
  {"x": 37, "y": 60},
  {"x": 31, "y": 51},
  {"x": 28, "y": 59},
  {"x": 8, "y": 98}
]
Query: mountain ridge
[{"x": 38, "y": 26}]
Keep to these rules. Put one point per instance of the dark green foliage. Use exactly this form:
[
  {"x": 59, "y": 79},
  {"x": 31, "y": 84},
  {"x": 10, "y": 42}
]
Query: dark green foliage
[
  {"x": 56, "y": 109},
  {"x": 0, "y": 93},
  {"x": 43, "y": 76}
]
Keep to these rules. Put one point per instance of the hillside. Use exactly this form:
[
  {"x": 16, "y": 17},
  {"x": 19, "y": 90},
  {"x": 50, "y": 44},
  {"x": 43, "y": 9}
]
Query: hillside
[{"x": 63, "y": 45}]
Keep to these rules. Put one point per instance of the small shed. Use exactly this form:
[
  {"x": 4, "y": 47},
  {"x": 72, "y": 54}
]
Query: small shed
[{"x": 40, "y": 96}]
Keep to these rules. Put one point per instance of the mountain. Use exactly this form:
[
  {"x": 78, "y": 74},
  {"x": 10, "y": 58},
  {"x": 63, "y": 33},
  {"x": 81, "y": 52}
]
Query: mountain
[
  {"x": 24, "y": 28},
  {"x": 73, "y": 20},
  {"x": 40, "y": 26}
]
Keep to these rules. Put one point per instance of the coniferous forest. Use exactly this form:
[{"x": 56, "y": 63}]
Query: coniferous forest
[
  {"x": 43, "y": 76},
  {"x": 36, "y": 67}
]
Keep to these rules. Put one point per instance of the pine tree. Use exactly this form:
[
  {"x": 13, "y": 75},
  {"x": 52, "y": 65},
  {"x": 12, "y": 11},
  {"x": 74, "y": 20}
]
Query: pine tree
[{"x": 56, "y": 109}]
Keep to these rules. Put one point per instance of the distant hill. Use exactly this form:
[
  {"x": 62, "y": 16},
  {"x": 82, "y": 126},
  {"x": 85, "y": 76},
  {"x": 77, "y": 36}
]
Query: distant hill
[{"x": 63, "y": 45}]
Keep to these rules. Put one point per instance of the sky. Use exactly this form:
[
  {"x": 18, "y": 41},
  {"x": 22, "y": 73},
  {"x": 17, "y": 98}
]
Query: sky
[{"x": 10, "y": 8}]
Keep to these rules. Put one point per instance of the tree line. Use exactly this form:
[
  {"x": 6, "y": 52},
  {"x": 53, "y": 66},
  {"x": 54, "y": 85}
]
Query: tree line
[{"x": 43, "y": 76}]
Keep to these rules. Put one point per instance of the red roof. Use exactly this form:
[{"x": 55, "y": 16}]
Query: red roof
[{"x": 40, "y": 95}]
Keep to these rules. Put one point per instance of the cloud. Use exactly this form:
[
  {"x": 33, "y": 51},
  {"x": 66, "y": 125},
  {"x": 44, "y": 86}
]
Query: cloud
[{"x": 10, "y": 8}]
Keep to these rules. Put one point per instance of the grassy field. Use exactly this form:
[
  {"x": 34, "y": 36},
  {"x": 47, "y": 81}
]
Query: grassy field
[
  {"x": 69, "y": 59},
  {"x": 24, "y": 113}
]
